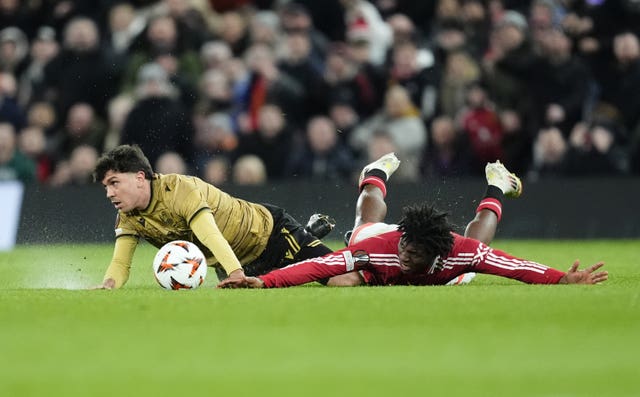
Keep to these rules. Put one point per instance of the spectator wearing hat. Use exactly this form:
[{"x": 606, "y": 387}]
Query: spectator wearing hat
[{"x": 364, "y": 23}]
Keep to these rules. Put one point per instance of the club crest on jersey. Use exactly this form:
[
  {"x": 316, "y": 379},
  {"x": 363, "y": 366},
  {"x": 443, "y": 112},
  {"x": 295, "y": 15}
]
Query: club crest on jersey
[{"x": 166, "y": 219}]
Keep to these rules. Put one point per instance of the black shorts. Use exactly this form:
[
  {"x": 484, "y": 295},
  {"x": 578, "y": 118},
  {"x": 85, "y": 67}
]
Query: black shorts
[{"x": 289, "y": 243}]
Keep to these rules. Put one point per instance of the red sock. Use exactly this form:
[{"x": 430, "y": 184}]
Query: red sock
[
  {"x": 492, "y": 201},
  {"x": 375, "y": 181},
  {"x": 491, "y": 204}
]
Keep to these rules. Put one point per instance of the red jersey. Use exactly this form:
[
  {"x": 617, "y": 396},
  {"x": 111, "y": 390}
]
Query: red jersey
[{"x": 380, "y": 242}]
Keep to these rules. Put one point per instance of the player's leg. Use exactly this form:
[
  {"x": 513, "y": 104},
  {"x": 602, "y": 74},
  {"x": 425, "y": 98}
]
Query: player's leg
[
  {"x": 500, "y": 183},
  {"x": 320, "y": 225},
  {"x": 299, "y": 242},
  {"x": 371, "y": 206},
  {"x": 288, "y": 243}
]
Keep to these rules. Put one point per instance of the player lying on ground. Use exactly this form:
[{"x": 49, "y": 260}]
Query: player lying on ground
[
  {"x": 235, "y": 235},
  {"x": 422, "y": 248}
]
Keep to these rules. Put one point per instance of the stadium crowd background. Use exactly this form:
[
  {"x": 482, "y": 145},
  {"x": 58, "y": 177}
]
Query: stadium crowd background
[{"x": 247, "y": 92}]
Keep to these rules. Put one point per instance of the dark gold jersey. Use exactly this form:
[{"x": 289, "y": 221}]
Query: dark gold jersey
[{"x": 177, "y": 199}]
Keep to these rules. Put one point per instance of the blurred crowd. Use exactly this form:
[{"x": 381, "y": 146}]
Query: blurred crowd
[{"x": 247, "y": 92}]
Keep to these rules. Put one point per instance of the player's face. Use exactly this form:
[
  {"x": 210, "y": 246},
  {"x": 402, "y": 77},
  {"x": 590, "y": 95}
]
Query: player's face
[
  {"x": 413, "y": 258},
  {"x": 125, "y": 190}
]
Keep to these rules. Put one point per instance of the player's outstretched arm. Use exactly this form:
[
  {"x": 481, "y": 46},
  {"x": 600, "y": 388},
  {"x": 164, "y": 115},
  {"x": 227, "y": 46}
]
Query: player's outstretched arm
[
  {"x": 244, "y": 282},
  {"x": 585, "y": 276}
]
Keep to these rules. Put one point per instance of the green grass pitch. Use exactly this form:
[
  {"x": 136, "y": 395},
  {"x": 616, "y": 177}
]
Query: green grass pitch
[{"x": 494, "y": 337}]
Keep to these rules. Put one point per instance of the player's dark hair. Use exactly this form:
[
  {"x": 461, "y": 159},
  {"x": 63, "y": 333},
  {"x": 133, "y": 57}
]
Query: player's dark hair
[
  {"x": 124, "y": 158},
  {"x": 425, "y": 226}
]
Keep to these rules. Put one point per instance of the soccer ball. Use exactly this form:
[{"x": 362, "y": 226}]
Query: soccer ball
[{"x": 179, "y": 265}]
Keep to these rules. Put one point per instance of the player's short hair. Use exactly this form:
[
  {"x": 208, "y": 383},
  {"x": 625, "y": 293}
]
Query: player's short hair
[
  {"x": 124, "y": 158},
  {"x": 425, "y": 226}
]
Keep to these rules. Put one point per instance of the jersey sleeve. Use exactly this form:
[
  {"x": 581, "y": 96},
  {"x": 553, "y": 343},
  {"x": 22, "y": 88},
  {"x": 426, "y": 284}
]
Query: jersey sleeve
[
  {"x": 314, "y": 269},
  {"x": 120, "y": 265},
  {"x": 206, "y": 230},
  {"x": 499, "y": 263},
  {"x": 123, "y": 228},
  {"x": 188, "y": 199}
]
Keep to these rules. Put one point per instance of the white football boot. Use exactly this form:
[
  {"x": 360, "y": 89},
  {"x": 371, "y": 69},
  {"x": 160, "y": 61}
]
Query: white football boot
[
  {"x": 462, "y": 279},
  {"x": 498, "y": 175},
  {"x": 388, "y": 164}
]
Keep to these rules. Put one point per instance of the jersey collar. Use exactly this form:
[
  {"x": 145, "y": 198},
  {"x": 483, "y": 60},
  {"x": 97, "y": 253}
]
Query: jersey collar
[{"x": 153, "y": 200}]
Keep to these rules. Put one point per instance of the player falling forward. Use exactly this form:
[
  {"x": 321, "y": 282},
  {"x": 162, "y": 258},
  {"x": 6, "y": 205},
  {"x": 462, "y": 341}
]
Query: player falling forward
[
  {"x": 422, "y": 248},
  {"x": 235, "y": 235}
]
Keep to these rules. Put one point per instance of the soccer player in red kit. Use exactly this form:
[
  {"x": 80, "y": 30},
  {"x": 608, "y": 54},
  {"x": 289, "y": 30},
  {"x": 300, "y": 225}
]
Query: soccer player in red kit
[{"x": 421, "y": 249}]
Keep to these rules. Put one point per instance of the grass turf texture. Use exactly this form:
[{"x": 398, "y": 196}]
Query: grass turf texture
[{"x": 495, "y": 337}]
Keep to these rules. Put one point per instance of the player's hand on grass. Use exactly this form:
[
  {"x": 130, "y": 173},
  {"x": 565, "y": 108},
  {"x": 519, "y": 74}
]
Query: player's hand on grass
[
  {"x": 245, "y": 282},
  {"x": 585, "y": 276},
  {"x": 106, "y": 284},
  {"x": 235, "y": 280}
]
